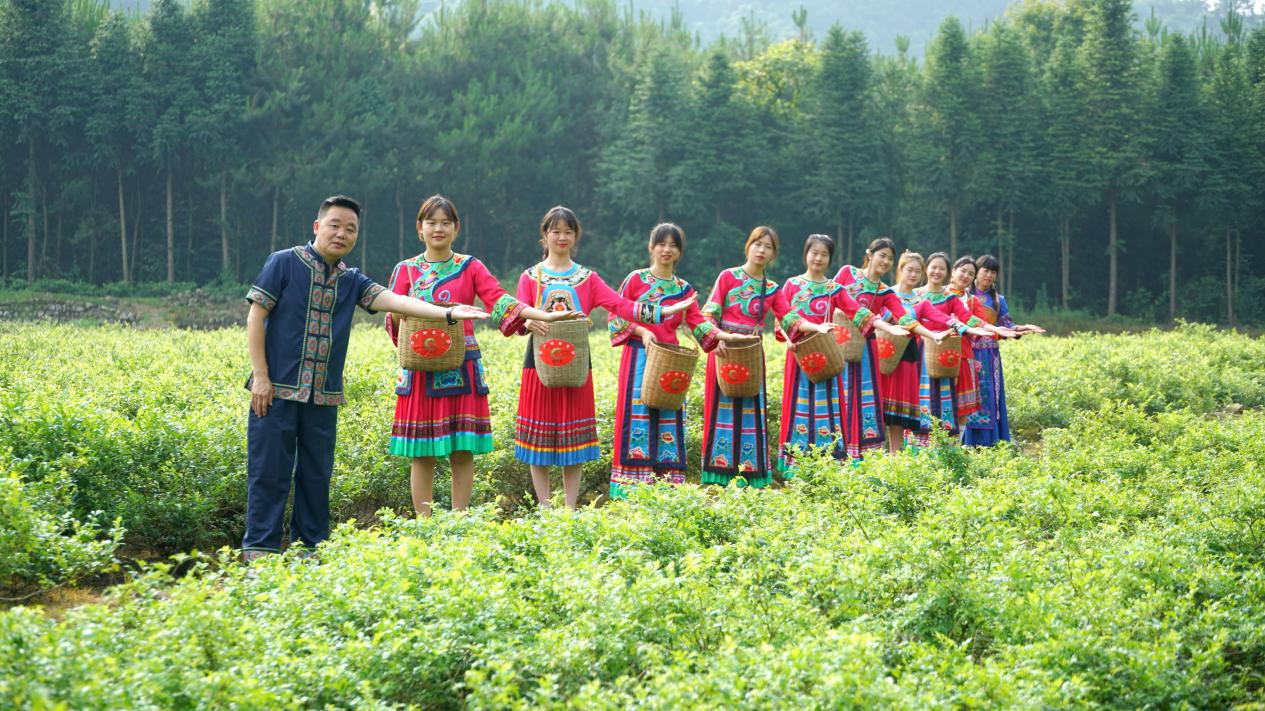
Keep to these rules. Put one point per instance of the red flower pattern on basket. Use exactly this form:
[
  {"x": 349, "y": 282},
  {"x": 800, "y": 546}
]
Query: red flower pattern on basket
[
  {"x": 812, "y": 363},
  {"x": 842, "y": 335},
  {"x": 948, "y": 359},
  {"x": 557, "y": 352},
  {"x": 885, "y": 349},
  {"x": 734, "y": 373},
  {"x": 674, "y": 382},
  {"x": 430, "y": 342}
]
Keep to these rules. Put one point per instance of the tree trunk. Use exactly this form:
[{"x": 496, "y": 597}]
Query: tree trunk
[
  {"x": 1010, "y": 254},
  {"x": 4, "y": 246},
  {"x": 136, "y": 227},
  {"x": 364, "y": 249},
  {"x": 399, "y": 214},
  {"x": 127, "y": 275},
  {"x": 1066, "y": 249},
  {"x": 839, "y": 235},
  {"x": 1111, "y": 252},
  {"x": 171, "y": 233},
  {"x": 31, "y": 191},
  {"x": 1001, "y": 255},
  {"x": 851, "y": 236},
  {"x": 953, "y": 232},
  {"x": 276, "y": 207},
  {"x": 188, "y": 247},
  {"x": 57, "y": 246},
  {"x": 226, "y": 266},
  {"x": 1238, "y": 258},
  {"x": 44, "y": 213},
  {"x": 1229, "y": 277},
  {"x": 1172, "y": 265}
]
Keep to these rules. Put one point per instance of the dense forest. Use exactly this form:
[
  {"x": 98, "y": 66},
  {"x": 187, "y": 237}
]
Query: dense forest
[
  {"x": 1114, "y": 163},
  {"x": 881, "y": 21}
]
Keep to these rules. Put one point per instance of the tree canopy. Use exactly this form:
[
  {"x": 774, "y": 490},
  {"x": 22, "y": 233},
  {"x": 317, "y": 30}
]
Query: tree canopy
[{"x": 1113, "y": 162}]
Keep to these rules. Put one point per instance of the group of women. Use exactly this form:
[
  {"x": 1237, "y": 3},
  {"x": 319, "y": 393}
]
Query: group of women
[{"x": 446, "y": 414}]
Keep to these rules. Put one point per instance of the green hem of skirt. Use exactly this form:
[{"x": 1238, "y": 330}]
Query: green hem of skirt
[
  {"x": 475, "y": 444},
  {"x": 758, "y": 481}
]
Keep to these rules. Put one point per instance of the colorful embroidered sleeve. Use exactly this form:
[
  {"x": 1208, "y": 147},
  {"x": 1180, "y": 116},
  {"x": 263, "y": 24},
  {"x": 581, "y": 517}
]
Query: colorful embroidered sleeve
[
  {"x": 506, "y": 310},
  {"x": 963, "y": 315},
  {"x": 1003, "y": 313},
  {"x": 893, "y": 305},
  {"x": 271, "y": 281},
  {"x": 401, "y": 283},
  {"x": 606, "y": 297},
  {"x": 860, "y": 315},
  {"x": 715, "y": 305},
  {"x": 931, "y": 317},
  {"x": 704, "y": 330},
  {"x": 621, "y": 329},
  {"x": 787, "y": 317}
]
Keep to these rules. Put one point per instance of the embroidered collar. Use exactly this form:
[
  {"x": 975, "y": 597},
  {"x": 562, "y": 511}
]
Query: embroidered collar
[
  {"x": 567, "y": 272},
  {"x": 312, "y": 257}
]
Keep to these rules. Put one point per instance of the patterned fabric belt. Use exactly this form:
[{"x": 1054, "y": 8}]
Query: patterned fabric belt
[{"x": 742, "y": 328}]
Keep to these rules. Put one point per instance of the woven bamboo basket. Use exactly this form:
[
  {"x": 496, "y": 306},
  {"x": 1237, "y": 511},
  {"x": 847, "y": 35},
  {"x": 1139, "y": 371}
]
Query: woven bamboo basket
[
  {"x": 430, "y": 346},
  {"x": 943, "y": 360},
  {"x": 666, "y": 378},
  {"x": 849, "y": 338},
  {"x": 820, "y": 356},
  {"x": 889, "y": 354},
  {"x": 740, "y": 371},
  {"x": 562, "y": 357}
]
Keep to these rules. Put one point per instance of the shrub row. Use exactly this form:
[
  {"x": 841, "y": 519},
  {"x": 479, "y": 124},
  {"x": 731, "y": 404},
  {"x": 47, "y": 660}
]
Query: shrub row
[
  {"x": 148, "y": 427},
  {"x": 1122, "y": 566}
]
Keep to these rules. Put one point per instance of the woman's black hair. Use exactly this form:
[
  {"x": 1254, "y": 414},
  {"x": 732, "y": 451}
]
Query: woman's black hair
[
  {"x": 665, "y": 231},
  {"x": 876, "y": 245},
  {"x": 823, "y": 240},
  {"x": 989, "y": 262},
  {"x": 438, "y": 202},
  {"x": 940, "y": 255},
  {"x": 566, "y": 216}
]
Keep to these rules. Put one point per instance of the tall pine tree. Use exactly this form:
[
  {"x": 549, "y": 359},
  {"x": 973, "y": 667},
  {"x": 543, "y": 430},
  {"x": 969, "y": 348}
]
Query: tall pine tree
[
  {"x": 846, "y": 181},
  {"x": 1113, "y": 103},
  {"x": 1180, "y": 145}
]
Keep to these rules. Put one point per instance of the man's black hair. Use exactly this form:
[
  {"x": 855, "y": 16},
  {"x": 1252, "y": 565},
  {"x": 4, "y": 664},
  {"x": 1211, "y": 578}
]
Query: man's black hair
[{"x": 338, "y": 201}]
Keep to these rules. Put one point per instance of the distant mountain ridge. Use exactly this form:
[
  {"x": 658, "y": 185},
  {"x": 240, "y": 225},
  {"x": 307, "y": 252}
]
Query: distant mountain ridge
[{"x": 880, "y": 20}]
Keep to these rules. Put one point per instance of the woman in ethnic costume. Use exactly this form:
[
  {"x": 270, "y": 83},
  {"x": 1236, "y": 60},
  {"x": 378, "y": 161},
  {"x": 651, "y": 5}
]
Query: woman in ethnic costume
[
  {"x": 991, "y": 423},
  {"x": 650, "y": 443},
  {"x": 941, "y": 399},
  {"x": 446, "y": 414},
  {"x": 863, "y": 418},
  {"x": 558, "y": 426},
  {"x": 902, "y": 403},
  {"x": 735, "y": 430},
  {"x": 812, "y": 413}
]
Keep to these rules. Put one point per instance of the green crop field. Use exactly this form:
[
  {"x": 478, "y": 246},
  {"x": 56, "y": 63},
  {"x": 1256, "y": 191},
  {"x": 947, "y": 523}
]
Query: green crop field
[{"x": 1113, "y": 559}]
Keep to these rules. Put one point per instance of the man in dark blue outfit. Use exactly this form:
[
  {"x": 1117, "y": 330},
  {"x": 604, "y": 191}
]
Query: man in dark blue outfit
[{"x": 297, "y": 332}]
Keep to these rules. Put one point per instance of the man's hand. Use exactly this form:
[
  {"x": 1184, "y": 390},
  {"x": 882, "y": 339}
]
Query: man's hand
[
  {"x": 261, "y": 393},
  {"x": 464, "y": 312}
]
